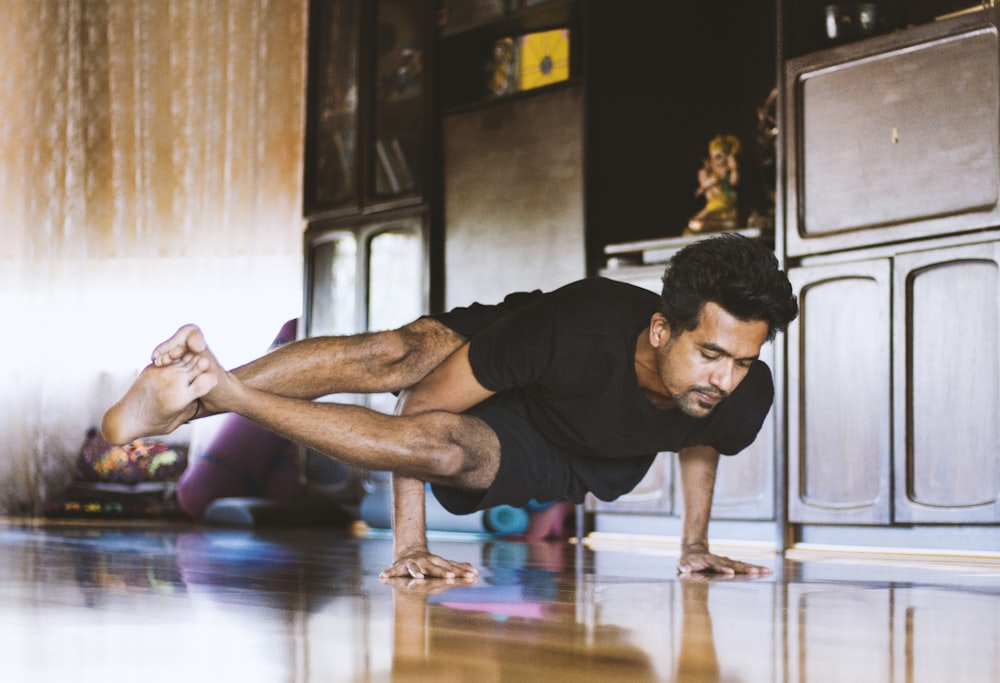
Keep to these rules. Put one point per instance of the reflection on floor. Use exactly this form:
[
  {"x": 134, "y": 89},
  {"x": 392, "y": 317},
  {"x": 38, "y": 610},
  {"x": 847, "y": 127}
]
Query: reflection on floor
[{"x": 188, "y": 604}]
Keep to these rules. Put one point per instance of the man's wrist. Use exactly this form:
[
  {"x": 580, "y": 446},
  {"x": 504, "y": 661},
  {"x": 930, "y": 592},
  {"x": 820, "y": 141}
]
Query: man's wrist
[
  {"x": 694, "y": 547},
  {"x": 405, "y": 549}
]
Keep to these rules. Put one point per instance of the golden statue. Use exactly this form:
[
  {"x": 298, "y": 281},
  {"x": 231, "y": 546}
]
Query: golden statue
[{"x": 717, "y": 181}]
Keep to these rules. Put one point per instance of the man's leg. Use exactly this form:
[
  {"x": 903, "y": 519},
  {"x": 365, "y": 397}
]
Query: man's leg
[
  {"x": 369, "y": 362},
  {"x": 434, "y": 445},
  {"x": 307, "y": 369}
]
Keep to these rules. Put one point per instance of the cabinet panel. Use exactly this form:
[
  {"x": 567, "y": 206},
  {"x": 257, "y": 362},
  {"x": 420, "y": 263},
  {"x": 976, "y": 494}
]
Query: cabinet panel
[
  {"x": 744, "y": 484},
  {"x": 948, "y": 385},
  {"x": 513, "y": 177},
  {"x": 873, "y": 131},
  {"x": 653, "y": 494},
  {"x": 869, "y": 128},
  {"x": 839, "y": 407}
]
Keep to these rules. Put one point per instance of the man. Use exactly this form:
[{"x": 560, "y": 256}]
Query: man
[{"x": 545, "y": 396}]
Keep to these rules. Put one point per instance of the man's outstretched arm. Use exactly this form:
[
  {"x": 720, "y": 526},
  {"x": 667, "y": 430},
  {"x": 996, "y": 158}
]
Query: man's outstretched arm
[{"x": 698, "y": 465}]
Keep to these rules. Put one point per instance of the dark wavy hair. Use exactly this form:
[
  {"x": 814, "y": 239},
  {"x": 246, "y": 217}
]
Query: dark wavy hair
[{"x": 739, "y": 274}]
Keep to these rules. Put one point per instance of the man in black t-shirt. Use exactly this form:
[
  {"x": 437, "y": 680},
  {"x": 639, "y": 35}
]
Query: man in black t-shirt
[{"x": 544, "y": 396}]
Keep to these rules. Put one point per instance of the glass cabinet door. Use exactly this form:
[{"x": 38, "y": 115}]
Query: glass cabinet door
[
  {"x": 397, "y": 139},
  {"x": 397, "y": 285},
  {"x": 396, "y": 279},
  {"x": 334, "y": 291},
  {"x": 331, "y": 158}
]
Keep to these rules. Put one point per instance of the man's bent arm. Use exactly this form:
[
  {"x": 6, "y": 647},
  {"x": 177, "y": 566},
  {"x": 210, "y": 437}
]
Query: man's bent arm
[
  {"x": 453, "y": 387},
  {"x": 698, "y": 466}
]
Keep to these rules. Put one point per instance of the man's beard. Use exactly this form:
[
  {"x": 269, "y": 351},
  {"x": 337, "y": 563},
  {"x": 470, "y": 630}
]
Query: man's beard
[{"x": 699, "y": 401}]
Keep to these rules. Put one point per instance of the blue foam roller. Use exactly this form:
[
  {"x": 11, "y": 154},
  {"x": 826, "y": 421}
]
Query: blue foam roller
[{"x": 506, "y": 520}]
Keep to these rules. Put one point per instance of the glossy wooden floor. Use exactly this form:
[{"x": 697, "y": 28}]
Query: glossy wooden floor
[{"x": 188, "y": 604}]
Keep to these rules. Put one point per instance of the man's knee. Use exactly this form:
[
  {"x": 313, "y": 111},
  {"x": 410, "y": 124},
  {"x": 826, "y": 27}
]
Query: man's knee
[
  {"x": 411, "y": 352},
  {"x": 459, "y": 450}
]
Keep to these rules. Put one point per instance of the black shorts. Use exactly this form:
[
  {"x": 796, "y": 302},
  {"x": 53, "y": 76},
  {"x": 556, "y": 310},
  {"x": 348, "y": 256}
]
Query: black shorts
[{"x": 533, "y": 469}]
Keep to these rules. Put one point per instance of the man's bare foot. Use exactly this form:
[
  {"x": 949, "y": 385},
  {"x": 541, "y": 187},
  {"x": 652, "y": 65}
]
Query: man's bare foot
[
  {"x": 182, "y": 347},
  {"x": 160, "y": 400}
]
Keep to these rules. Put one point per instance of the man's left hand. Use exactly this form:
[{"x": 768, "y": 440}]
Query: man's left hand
[{"x": 704, "y": 561}]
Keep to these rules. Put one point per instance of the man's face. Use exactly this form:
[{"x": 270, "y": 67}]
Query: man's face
[{"x": 700, "y": 367}]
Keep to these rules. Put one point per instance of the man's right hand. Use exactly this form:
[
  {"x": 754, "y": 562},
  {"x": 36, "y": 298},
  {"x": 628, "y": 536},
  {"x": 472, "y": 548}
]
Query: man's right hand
[{"x": 421, "y": 564}]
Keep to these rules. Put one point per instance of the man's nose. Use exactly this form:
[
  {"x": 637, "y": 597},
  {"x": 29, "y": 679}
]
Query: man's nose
[{"x": 724, "y": 376}]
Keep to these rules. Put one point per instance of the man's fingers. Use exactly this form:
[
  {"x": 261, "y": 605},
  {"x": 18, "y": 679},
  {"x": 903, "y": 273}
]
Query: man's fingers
[{"x": 429, "y": 566}]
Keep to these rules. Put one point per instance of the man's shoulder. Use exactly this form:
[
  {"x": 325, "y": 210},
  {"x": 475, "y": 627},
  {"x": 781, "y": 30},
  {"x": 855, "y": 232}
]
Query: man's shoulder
[
  {"x": 755, "y": 393},
  {"x": 741, "y": 415},
  {"x": 604, "y": 284},
  {"x": 604, "y": 292}
]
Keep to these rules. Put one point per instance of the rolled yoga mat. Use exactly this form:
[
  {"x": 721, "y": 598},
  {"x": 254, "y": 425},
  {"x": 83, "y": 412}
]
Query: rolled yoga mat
[{"x": 258, "y": 512}]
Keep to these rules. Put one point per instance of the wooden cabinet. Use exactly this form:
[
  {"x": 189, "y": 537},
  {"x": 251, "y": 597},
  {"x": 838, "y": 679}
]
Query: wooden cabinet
[
  {"x": 890, "y": 228},
  {"x": 894, "y": 369},
  {"x": 366, "y": 158},
  {"x": 366, "y": 165}
]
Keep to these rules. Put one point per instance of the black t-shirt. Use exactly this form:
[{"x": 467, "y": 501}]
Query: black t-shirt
[{"x": 571, "y": 352}]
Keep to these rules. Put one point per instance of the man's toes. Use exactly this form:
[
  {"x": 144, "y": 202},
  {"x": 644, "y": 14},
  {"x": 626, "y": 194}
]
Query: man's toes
[{"x": 196, "y": 339}]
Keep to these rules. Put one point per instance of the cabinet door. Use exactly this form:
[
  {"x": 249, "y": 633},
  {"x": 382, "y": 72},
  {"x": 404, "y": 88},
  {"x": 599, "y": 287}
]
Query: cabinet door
[
  {"x": 839, "y": 398},
  {"x": 397, "y": 138},
  {"x": 331, "y": 158},
  {"x": 366, "y": 113},
  {"x": 947, "y": 398},
  {"x": 744, "y": 485}
]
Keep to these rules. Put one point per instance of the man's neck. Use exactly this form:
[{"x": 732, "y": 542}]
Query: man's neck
[{"x": 648, "y": 376}]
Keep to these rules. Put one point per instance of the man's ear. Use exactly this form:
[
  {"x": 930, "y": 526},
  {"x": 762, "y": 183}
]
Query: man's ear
[{"x": 659, "y": 330}]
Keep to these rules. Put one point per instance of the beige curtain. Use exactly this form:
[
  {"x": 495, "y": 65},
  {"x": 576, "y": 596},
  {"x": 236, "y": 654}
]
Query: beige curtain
[{"x": 150, "y": 165}]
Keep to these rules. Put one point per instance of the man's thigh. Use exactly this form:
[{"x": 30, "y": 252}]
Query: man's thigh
[
  {"x": 468, "y": 321},
  {"x": 425, "y": 344},
  {"x": 528, "y": 466}
]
